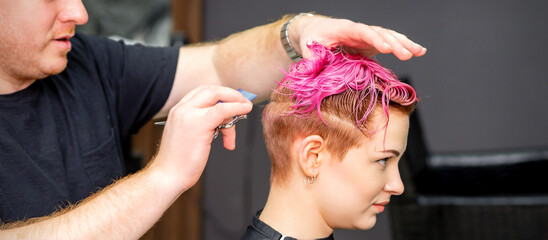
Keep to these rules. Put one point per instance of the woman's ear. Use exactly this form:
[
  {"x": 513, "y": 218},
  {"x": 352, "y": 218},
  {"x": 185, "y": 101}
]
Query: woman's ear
[{"x": 309, "y": 155}]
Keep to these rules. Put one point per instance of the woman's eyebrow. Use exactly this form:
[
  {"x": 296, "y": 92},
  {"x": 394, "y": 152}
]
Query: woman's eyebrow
[{"x": 395, "y": 152}]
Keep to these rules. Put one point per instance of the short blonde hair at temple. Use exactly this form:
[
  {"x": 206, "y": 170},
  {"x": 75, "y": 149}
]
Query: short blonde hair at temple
[{"x": 334, "y": 95}]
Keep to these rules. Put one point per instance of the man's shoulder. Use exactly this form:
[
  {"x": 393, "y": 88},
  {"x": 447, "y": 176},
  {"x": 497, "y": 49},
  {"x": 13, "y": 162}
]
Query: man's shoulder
[
  {"x": 90, "y": 39},
  {"x": 97, "y": 56},
  {"x": 84, "y": 44}
]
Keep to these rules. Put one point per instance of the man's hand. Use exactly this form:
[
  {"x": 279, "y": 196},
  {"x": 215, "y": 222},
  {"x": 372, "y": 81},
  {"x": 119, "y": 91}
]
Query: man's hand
[
  {"x": 188, "y": 133},
  {"x": 355, "y": 37}
]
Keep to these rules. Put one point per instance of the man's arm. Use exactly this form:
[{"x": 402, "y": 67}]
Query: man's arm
[
  {"x": 252, "y": 59},
  {"x": 125, "y": 210},
  {"x": 131, "y": 206}
]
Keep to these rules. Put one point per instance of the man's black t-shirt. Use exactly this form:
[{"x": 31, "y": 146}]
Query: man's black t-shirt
[{"x": 61, "y": 137}]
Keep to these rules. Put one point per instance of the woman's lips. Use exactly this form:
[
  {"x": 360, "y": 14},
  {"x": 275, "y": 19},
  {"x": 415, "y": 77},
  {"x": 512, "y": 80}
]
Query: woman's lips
[{"x": 380, "y": 206}]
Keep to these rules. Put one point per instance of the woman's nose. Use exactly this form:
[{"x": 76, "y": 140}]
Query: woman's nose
[{"x": 394, "y": 185}]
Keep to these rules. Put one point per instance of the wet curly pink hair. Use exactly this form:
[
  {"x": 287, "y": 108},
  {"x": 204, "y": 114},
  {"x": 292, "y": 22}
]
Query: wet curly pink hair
[
  {"x": 334, "y": 95},
  {"x": 332, "y": 72}
]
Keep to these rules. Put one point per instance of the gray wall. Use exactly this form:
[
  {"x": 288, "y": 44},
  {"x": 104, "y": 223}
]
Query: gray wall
[{"x": 482, "y": 83}]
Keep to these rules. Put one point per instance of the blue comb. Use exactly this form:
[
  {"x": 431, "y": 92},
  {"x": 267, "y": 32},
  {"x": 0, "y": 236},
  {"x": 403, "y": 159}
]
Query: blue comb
[{"x": 248, "y": 95}]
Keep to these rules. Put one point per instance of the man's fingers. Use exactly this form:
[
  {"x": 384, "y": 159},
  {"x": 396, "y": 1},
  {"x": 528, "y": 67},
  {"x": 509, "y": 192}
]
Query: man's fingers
[
  {"x": 207, "y": 96},
  {"x": 362, "y": 36},
  {"x": 227, "y": 110},
  {"x": 367, "y": 40},
  {"x": 214, "y": 95},
  {"x": 416, "y": 49},
  {"x": 376, "y": 38},
  {"x": 370, "y": 40},
  {"x": 229, "y": 137},
  {"x": 202, "y": 108},
  {"x": 231, "y": 109},
  {"x": 394, "y": 43}
]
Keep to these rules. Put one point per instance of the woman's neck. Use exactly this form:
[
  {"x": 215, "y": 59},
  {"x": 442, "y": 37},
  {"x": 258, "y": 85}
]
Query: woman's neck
[{"x": 291, "y": 211}]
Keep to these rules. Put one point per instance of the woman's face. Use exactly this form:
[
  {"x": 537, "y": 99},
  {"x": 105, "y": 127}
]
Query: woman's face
[{"x": 352, "y": 191}]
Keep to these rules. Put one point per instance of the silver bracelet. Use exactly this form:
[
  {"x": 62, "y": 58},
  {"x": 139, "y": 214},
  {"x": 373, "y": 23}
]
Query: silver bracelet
[{"x": 286, "y": 43}]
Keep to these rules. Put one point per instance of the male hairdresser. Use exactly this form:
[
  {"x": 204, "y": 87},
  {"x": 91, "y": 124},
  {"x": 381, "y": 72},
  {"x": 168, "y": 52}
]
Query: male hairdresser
[{"x": 69, "y": 102}]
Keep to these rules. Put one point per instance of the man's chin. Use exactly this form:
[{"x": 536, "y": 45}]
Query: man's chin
[{"x": 54, "y": 67}]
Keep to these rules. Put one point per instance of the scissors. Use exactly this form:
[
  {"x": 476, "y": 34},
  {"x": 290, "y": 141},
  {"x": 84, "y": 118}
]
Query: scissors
[{"x": 235, "y": 119}]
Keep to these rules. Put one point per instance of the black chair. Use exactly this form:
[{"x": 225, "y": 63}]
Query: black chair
[{"x": 470, "y": 195}]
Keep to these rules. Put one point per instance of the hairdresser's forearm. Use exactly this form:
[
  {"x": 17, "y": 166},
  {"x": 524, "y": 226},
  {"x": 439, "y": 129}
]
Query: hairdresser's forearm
[
  {"x": 253, "y": 59},
  {"x": 250, "y": 60},
  {"x": 125, "y": 210}
]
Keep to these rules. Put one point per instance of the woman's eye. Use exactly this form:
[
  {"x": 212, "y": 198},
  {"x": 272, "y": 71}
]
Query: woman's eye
[{"x": 383, "y": 161}]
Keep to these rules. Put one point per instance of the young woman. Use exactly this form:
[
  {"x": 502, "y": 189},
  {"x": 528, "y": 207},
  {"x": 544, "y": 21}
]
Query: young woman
[{"x": 335, "y": 130}]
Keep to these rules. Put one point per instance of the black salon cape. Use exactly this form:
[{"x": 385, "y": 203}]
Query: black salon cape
[
  {"x": 61, "y": 138},
  {"x": 259, "y": 230}
]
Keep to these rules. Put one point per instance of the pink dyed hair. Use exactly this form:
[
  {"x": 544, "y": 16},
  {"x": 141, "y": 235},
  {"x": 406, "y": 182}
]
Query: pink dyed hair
[
  {"x": 323, "y": 95},
  {"x": 332, "y": 72}
]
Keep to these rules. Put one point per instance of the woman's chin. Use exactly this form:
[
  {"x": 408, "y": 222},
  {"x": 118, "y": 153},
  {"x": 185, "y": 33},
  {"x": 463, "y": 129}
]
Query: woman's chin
[{"x": 365, "y": 223}]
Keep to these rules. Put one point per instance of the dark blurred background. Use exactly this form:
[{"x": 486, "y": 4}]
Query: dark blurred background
[{"x": 479, "y": 141}]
